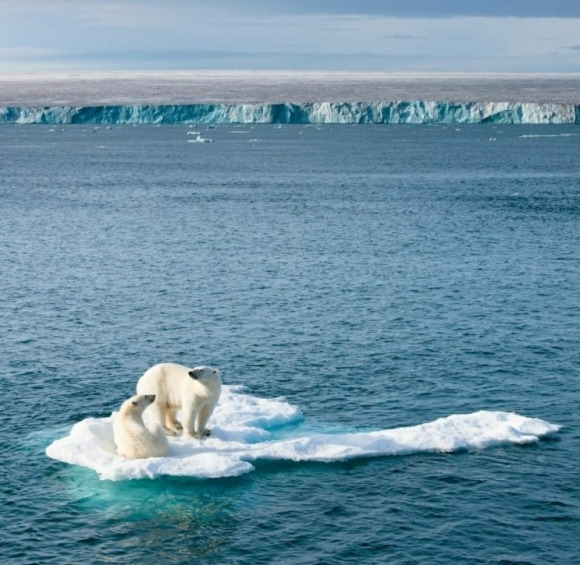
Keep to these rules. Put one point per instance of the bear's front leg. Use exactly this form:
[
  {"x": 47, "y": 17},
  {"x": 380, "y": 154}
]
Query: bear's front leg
[
  {"x": 188, "y": 417},
  {"x": 202, "y": 419}
]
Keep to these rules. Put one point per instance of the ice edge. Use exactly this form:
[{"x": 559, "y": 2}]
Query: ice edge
[{"x": 395, "y": 112}]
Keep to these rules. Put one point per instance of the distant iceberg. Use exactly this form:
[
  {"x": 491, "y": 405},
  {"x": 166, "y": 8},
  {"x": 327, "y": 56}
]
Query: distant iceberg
[
  {"x": 397, "y": 112},
  {"x": 247, "y": 429}
]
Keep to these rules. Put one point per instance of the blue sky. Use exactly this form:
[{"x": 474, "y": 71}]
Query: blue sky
[{"x": 359, "y": 35}]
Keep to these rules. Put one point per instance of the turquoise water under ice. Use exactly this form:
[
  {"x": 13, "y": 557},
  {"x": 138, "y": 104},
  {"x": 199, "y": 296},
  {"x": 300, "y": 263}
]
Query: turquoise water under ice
[{"x": 374, "y": 276}]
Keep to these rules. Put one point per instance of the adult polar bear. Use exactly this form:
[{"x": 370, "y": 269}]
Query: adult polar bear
[
  {"x": 195, "y": 391},
  {"x": 132, "y": 437}
]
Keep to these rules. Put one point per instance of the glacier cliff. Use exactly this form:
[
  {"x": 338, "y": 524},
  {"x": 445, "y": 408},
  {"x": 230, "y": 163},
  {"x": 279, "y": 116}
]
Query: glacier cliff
[{"x": 396, "y": 112}]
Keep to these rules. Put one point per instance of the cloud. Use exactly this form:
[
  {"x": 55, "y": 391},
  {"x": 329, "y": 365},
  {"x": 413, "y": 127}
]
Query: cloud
[
  {"x": 109, "y": 14},
  {"x": 402, "y": 36},
  {"x": 26, "y": 52},
  {"x": 18, "y": 59},
  {"x": 91, "y": 13},
  {"x": 427, "y": 8},
  {"x": 262, "y": 34}
]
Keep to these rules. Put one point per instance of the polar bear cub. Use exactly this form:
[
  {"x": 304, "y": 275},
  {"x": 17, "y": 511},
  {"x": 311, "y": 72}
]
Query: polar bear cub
[
  {"x": 194, "y": 391},
  {"x": 132, "y": 437}
]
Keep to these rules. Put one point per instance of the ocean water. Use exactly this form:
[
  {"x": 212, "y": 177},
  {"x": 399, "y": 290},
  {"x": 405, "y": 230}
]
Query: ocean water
[{"x": 373, "y": 277}]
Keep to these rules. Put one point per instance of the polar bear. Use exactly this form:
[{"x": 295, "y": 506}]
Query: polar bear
[
  {"x": 132, "y": 437},
  {"x": 193, "y": 391}
]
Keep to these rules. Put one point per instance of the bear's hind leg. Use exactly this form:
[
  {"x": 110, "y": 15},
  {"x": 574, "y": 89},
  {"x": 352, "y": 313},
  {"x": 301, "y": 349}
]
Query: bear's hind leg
[
  {"x": 158, "y": 414},
  {"x": 171, "y": 422}
]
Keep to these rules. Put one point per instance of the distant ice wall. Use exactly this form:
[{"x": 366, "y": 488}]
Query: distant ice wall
[{"x": 419, "y": 112}]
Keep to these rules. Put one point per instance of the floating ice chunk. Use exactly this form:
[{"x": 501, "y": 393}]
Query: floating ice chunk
[
  {"x": 199, "y": 138},
  {"x": 549, "y": 135},
  {"x": 243, "y": 429}
]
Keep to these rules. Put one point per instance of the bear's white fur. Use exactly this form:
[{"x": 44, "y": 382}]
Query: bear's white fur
[
  {"x": 194, "y": 391},
  {"x": 132, "y": 437}
]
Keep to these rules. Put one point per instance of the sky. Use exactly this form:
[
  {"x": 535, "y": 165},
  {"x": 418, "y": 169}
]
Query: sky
[{"x": 336, "y": 35}]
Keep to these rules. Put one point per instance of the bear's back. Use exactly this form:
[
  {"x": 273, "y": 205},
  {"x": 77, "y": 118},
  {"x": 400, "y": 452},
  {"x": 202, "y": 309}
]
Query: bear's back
[
  {"x": 167, "y": 371},
  {"x": 164, "y": 379}
]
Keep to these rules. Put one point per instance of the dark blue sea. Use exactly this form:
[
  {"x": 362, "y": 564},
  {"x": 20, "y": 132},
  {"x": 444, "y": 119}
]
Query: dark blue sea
[{"x": 374, "y": 276}]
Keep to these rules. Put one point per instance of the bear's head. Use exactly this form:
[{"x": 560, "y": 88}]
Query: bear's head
[
  {"x": 140, "y": 401},
  {"x": 203, "y": 373}
]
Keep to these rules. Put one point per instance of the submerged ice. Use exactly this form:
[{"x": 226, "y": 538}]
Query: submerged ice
[
  {"x": 247, "y": 429},
  {"x": 387, "y": 112}
]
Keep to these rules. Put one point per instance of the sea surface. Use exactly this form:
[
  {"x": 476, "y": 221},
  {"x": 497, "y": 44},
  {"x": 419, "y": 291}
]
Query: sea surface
[{"x": 373, "y": 276}]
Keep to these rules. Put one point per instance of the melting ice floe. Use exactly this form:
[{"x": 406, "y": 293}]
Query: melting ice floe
[{"x": 241, "y": 433}]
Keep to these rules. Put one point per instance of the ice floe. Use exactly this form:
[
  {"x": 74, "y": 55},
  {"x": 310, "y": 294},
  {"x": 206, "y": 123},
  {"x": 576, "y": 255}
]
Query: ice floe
[{"x": 247, "y": 428}]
